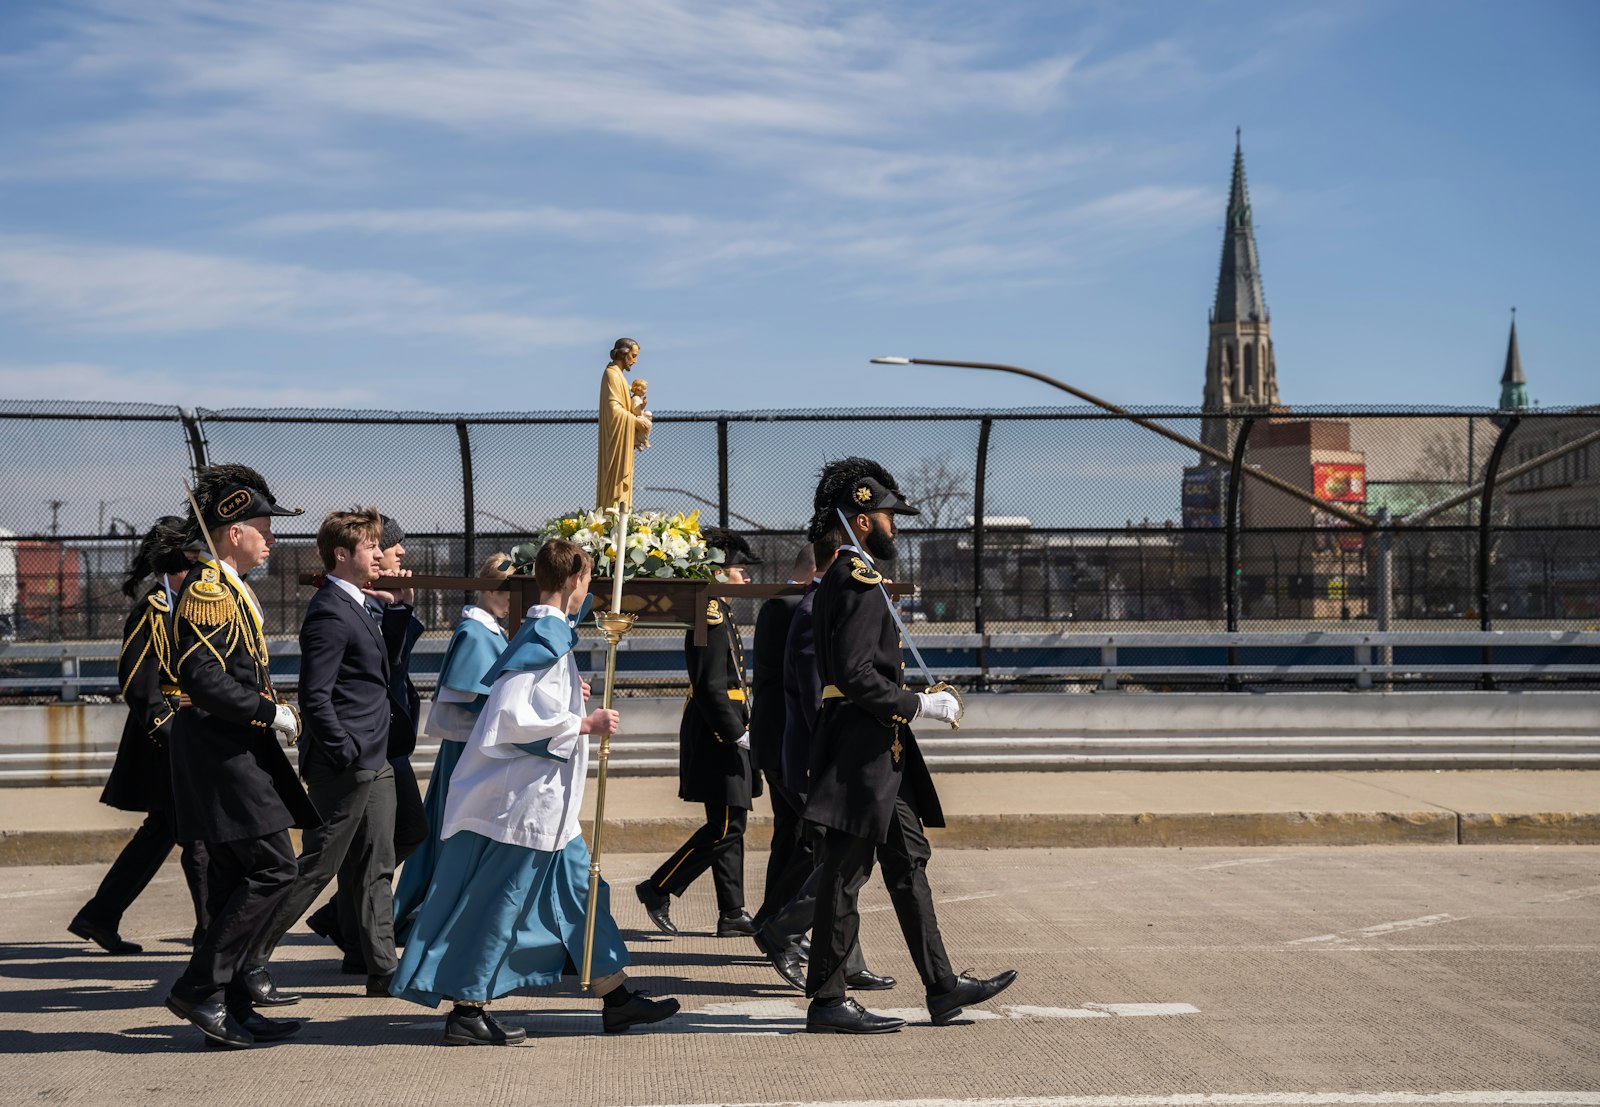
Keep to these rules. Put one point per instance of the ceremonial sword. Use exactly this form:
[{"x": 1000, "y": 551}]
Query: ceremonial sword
[{"x": 905, "y": 635}]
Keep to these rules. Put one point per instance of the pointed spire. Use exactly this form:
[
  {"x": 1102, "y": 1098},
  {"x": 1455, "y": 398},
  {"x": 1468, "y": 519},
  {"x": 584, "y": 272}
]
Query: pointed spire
[
  {"x": 1513, "y": 385},
  {"x": 1239, "y": 295},
  {"x": 1513, "y": 373}
]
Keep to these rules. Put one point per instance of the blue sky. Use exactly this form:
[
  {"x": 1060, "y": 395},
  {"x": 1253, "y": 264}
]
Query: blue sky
[{"x": 413, "y": 204}]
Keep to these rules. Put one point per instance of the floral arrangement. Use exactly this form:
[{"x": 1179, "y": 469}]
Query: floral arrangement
[{"x": 658, "y": 544}]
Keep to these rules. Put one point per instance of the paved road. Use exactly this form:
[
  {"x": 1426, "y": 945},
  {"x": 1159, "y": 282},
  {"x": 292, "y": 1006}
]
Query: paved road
[{"x": 1260, "y": 977}]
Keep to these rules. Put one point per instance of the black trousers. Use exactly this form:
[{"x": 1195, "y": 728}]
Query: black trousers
[
  {"x": 341, "y": 915},
  {"x": 410, "y": 817},
  {"x": 846, "y": 864},
  {"x": 718, "y": 846},
  {"x": 138, "y": 864},
  {"x": 790, "y": 861},
  {"x": 354, "y": 842},
  {"x": 245, "y": 882}
]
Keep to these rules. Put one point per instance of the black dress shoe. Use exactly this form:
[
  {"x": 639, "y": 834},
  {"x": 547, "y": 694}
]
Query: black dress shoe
[
  {"x": 849, "y": 1017},
  {"x": 868, "y": 981},
  {"x": 805, "y": 949},
  {"x": 103, "y": 936},
  {"x": 378, "y": 984},
  {"x": 640, "y": 1010},
  {"x": 263, "y": 1029},
  {"x": 735, "y": 924},
  {"x": 468, "y": 1025},
  {"x": 656, "y": 906},
  {"x": 786, "y": 961},
  {"x": 211, "y": 1019},
  {"x": 258, "y": 985},
  {"x": 968, "y": 989}
]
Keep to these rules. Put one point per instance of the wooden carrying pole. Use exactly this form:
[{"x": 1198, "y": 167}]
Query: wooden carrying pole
[{"x": 613, "y": 624}]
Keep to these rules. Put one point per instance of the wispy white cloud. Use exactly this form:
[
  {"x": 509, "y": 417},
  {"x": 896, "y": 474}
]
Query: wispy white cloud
[
  {"x": 79, "y": 380},
  {"x": 227, "y": 91},
  {"x": 151, "y": 290}
]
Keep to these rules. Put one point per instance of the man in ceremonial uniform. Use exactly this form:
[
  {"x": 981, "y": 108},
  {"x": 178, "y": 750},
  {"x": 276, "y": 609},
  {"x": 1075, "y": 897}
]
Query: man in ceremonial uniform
[
  {"x": 714, "y": 766},
  {"x": 233, "y": 786},
  {"x": 869, "y": 787},
  {"x": 141, "y": 776},
  {"x": 789, "y": 860}
]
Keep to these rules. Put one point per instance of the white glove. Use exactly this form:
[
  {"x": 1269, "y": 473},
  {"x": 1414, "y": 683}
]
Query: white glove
[
  {"x": 744, "y": 741},
  {"x": 939, "y": 705},
  {"x": 284, "y": 721}
]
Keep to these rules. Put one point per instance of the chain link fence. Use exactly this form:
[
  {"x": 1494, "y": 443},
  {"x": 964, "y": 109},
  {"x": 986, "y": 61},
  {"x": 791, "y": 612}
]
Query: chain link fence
[{"x": 1040, "y": 521}]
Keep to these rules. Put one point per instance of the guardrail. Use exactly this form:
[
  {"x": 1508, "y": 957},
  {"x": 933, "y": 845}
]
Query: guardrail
[
  {"x": 1361, "y": 659},
  {"x": 75, "y": 744}
]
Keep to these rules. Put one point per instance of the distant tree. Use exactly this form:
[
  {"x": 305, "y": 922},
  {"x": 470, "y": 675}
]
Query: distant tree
[{"x": 937, "y": 488}]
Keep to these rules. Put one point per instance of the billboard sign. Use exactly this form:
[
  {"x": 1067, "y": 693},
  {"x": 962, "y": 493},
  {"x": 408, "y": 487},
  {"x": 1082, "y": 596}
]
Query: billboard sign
[
  {"x": 1339, "y": 481},
  {"x": 1205, "y": 492}
]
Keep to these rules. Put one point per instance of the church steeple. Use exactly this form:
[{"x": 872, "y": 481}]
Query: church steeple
[
  {"x": 1239, "y": 295},
  {"x": 1241, "y": 372},
  {"x": 1513, "y": 385}
]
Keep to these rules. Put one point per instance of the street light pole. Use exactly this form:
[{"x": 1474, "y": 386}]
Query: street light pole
[{"x": 1351, "y": 517}]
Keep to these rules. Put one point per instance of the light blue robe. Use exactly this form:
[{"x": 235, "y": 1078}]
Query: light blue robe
[
  {"x": 473, "y": 648},
  {"x": 498, "y": 917}
]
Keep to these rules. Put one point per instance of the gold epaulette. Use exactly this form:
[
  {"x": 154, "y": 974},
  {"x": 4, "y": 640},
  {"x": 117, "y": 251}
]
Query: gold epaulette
[
  {"x": 714, "y": 615},
  {"x": 208, "y": 602},
  {"x": 159, "y": 601},
  {"x": 866, "y": 574}
]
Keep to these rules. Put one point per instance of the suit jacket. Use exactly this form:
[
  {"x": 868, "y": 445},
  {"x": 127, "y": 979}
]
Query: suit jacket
[
  {"x": 230, "y": 777},
  {"x": 344, "y": 683},
  {"x": 863, "y": 753},
  {"x": 401, "y": 629},
  {"x": 141, "y": 776},
  {"x": 711, "y": 766},
  {"x": 802, "y": 694},
  {"x": 767, "y": 709}
]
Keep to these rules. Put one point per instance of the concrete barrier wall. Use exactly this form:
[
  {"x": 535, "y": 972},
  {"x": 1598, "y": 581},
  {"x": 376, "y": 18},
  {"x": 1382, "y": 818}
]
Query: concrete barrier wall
[{"x": 75, "y": 743}]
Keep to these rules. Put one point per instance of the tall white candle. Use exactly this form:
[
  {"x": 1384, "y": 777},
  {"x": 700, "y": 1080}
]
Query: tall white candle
[{"x": 619, "y": 562}]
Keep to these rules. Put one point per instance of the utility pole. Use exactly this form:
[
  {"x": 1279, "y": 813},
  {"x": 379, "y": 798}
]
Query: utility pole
[{"x": 55, "y": 516}]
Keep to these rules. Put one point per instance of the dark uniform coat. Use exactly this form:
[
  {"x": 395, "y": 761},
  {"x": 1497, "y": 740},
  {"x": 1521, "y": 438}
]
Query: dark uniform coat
[
  {"x": 230, "y": 778},
  {"x": 863, "y": 753},
  {"x": 711, "y": 766},
  {"x": 141, "y": 776},
  {"x": 767, "y": 708}
]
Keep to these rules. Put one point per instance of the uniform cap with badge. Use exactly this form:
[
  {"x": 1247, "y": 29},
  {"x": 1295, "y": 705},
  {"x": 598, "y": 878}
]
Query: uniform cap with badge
[{"x": 852, "y": 485}]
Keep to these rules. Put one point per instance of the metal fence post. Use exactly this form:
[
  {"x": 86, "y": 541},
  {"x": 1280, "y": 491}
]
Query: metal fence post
[
  {"x": 469, "y": 504},
  {"x": 722, "y": 473},
  {"x": 1385, "y": 654},
  {"x": 1485, "y": 527},
  {"x": 196, "y": 437},
  {"x": 980, "y": 534},
  {"x": 1231, "y": 566}
]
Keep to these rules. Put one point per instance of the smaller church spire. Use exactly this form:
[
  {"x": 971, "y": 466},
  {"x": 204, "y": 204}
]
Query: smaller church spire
[{"x": 1513, "y": 385}]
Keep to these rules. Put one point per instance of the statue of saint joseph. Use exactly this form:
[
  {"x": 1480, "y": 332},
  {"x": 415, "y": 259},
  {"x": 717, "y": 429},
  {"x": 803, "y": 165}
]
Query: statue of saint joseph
[{"x": 621, "y": 428}]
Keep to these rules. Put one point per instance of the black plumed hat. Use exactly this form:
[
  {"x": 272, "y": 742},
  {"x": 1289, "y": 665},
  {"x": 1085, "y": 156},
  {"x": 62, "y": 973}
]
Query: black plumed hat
[
  {"x": 851, "y": 485},
  {"x": 735, "y": 550},
  {"x": 160, "y": 551},
  {"x": 230, "y": 493}
]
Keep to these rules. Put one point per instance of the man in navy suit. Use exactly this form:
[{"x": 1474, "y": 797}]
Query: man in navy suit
[
  {"x": 344, "y": 754},
  {"x": 336, "y": 920}
]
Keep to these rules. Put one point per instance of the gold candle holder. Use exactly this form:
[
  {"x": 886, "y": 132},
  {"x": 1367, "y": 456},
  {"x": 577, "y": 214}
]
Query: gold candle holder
[{"x": 613, "y": 625}]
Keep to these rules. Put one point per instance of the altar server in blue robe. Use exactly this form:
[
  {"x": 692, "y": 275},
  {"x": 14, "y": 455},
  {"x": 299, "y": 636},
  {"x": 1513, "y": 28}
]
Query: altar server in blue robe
[
  {"x": 479, "y": 639},
  {"x": 507, "y": 903}
]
